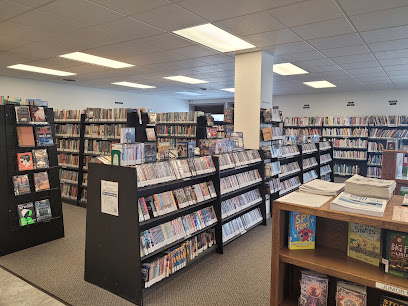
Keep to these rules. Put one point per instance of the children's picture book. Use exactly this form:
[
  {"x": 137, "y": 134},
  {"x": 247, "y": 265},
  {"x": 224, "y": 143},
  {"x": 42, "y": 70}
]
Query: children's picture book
[
  {"x": 212, "y": 132},
  {"x": 150, "y": 134},
  {"x": 150, "y": 152},
  {"x": 22, "y": 114},
  {"x": 41, "y": 181},
  {"x": 182, "y": 148},
  {"x": 38, "y": 114},
  {"x": 163, "y": 150},
  {"x": 389, "y": 301},
  {"x": 43, "y": 135},
  {"x": 25, "y": 161},
  {"x": 21, "y": 184},
  {"x": 351, "y": 294},
  {"x": 313, "y": 289},
  {"x": 191, "y": 149},
  {"x": 302, "y": 230},
  {"x": 364, "y": 243},
  {"x": 41, "y": 159},
  {"x": 397, "y": 253},
  {"x": 25, "y": 136},
  {"x": 43, "y": 210},
  {"x": 26, "y": 214},
  {"x": 229, "y": 115},
  {"x": 127, "y": 135}
]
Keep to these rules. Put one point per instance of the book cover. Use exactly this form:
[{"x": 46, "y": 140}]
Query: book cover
[
  {"x": 41, "y": 181},
  {"x": 212, "y": 132},
  {"x": 22, "y": 114},
  {"x": 163, "y": 150},
  {"x": 43, "y": 210},
  {"x": 26, "y": 214},
  {"x": 44, "y": 135},
  {"x": 302, "y": 229},
  {"x": 191, "y": 149},
  {"x": 313, "y": 289},
  {"x": 116, "y": 157},
  {"x": 25, "y": 161},
  {"x": 150, "y": 152},
  {"x": 267, "y": 134},
  {"x": 127, "y": 135},
  {"x": 350, "y": 294},
  {"x": 228, "y": 115},
  {"x": 238, "y": 139},
  {"x": 397, "y": 253},
  {"x": 10, "y": 100},
  {"x": 41, "y": 159},
  {"x": 364, "y": 243},
  {"x": 38, "y": 114},
  {"x": 150, "y": 134},
  {"x": 389, "y": 301},
  {"x": 182, "y": 148},
  {"x": 21, "y": 184},
  {"x": 25, "y": 136}
]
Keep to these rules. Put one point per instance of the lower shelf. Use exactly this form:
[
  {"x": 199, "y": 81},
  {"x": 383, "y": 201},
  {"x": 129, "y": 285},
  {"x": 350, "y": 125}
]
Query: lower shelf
[{"x": 247, "y": 230}]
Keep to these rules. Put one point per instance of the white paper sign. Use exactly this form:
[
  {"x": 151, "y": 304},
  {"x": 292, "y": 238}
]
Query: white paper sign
[
  {"x": 110, "y": 198},
  {"x": 389, "y": 288}
]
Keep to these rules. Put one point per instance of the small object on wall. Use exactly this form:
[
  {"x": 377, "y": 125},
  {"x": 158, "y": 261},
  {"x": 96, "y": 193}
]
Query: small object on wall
[
  {"x": 306, "y": 106},
  {"x": 350, "y": 103},
  {"x": 393, "y": 102}
]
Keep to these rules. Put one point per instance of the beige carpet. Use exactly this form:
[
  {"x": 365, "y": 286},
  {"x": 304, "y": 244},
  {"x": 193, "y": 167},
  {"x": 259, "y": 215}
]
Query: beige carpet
[{"x": 239, "y": 277}]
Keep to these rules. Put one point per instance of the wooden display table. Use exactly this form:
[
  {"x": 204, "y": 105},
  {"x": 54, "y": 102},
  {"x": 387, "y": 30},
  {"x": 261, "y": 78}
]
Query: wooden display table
[{"x": 330, "y": 256}]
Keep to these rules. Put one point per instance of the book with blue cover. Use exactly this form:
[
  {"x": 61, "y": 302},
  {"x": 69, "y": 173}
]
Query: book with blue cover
[{"x": 302, "y": 230}]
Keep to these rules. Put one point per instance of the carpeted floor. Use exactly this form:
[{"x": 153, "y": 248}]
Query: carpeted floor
[{"x": 239, "y": 277}]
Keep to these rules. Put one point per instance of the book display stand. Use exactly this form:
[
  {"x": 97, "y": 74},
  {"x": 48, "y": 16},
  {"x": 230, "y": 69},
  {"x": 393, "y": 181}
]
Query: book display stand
[{"x": 15, "y": 233}]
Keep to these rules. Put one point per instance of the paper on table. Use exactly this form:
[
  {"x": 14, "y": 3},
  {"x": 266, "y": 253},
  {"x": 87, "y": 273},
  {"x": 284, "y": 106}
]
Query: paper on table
[
  {"x": 306, "y": 199},
  {"x": 400, "y": 214}
]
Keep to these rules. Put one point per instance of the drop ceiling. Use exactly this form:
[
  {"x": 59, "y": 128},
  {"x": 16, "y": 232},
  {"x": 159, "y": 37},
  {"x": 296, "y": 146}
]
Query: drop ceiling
[{"x": 355, "y": 44}]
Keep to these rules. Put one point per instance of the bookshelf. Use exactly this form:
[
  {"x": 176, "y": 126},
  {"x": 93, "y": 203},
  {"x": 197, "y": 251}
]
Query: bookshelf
[
  {"x": 14, "y": 237},
  {"x": 330, "y": 256}
]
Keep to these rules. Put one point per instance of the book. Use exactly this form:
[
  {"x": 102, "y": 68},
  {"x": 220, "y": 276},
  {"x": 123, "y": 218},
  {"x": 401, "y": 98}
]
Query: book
[
  {"x": 212, "y": 132},
  {"x": 229, "y": 115},
  {"x": 313, "y": 289},
  {"x": 267, "y": 134},
  {"x": 351, "y": 294},
  {"x": 43, "y": 210},
  {"x": 41, "y": 181},
  {"x": 43, "y": 134},
  {"x": 26, "y": 214},
  {"x": 396, "y": 253},
  {"x": 38, "y": 114},
  {"x": 23, "y": 114},
  {"x": 191, "y": 149},
  {"x": 127, "y": 135},
  {"x": 40, "y": 159},
  {"x": 25, "y": 136},
  {"x": 238, "y": 139},
  {"x": 163, "y": 150},
  {"x": 364, "y": 243},
  {"x": 25, "y": 161},
  {"x": 302, "y": 229},
  {"x": 10, "y": 100},
  {"x": 150, "y": 152},
  {"x": 150, "y": 134},
  {"x": 182, "y": 148},
  {"x": 21, "y": 184},
  {"x": 389, "y": 301}
]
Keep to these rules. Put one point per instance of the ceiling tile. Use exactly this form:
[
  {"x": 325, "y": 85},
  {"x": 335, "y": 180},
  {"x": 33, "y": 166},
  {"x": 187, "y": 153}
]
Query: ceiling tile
[
  {"x": 269, "y": 4},
  {"x": 381, "y": 19},
  {"x": 385, "y": 34},
  {"x": 166, "y": 41},
  {"x": 392, "y": 54},
  {"x": 343, "y": 51},
  {"x": 33, "y": 3},
  {"x": 212, "y": 68},
  {"x": 305, "y": 56},
  {"x": 389, "y": 45},
  {"x": 170, "y": 18},
  {"x": 272, "y": 38},
  {"x": 353, "y": 59},
  {"x": 129, "y": 28},
  {"x": 372, "y": 70},
  {"x": 10, "y": 9},
  {"x": 396, "y": 67},
  {"x": 153, "y": 58},
  {"x": 367, "y": 64},
  {"x": 318, "y": 69},
  {"x": 130, "y": 7},
  {"x": 195, "y": 51},
  {"x": 353, "y": 7},
  {"x": 54, "y": 63},
  {"x": 250, "y": 24},
  {"x": 393, "y": 61},
  {"x": 216, "y": 59},
  {"x": 8, "y": 58},
  {"x": 47, "y": 22},
  {"x": 306, "y": 12},
  {"x": 314, "y": 63},
  {"x": 84, "y": 69},
  {"x": 123, "y": 49},
  {"x": 9, "y": 42},
  {"x": 81, "y": 11},
  {"x": 324, "y": 29},
  {"x": 38, "y": 50},
  {"x": 292, "y": 48},
  {"x": 336, "y": 41},
  {"x": 397, "y": 73},
  {"x": 24, "y": 32},
  {"x": 334, "y": 75},
  {"x": 214, "y": 10}
]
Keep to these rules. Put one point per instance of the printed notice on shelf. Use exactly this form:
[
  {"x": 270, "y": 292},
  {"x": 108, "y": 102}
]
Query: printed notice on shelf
[
  {"x": 389, "y": 288},
  {"x": 110, "y": 198}
]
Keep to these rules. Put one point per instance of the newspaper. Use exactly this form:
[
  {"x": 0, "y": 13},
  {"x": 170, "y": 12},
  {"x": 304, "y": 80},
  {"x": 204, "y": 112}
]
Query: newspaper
[
  {"x": 360, "y": 205},
  {"x": 370, "y": 187},
  {"x": 306, "y": 199},
  {"x": 322, "y": 187}
]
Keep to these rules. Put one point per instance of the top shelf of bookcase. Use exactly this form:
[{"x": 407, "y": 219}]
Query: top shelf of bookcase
[{"x": 176, "y": 123}]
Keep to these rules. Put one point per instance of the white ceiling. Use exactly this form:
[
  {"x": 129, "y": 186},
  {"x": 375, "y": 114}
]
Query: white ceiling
[{"x": 355, "y": 44}]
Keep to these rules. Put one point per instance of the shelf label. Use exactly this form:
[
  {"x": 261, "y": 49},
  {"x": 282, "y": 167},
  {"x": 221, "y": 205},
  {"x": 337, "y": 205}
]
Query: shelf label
[
  {"x": 393, "y": 289},
  {"x": 110, "y": 198}
]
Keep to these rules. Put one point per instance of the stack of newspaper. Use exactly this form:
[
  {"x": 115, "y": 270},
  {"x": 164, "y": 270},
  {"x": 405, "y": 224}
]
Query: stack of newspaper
[
  {"x": 370, "y": 187},
  {"x": 360, "y": 205},
  {"x": 322, "y": 187}
]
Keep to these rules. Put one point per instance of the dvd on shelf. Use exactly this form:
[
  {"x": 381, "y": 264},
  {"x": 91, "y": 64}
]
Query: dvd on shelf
[
  {"x": 238, "y": 181},
  {"x": 236, "y": 204},
  {"x": 240, "y": 225}
]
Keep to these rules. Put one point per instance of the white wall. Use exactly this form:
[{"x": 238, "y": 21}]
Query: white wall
[
  {"x": 373, "y": 102},
  {"x": 69, "y": 96}
]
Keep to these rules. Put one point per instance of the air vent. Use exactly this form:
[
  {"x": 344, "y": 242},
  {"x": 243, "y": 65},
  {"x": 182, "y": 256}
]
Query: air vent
[
  {"x": 393, "y": 102},
  {"x": 350, "y": 103},
  {"x": 306, "y": 106}
]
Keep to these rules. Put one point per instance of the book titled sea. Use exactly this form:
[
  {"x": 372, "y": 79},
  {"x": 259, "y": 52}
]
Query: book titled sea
[
  {"x": 43, "y": 210},
  {"x": 21, "y": 184},
  {"x": 397, "y": 253},
  {"x": 26, "y": 214},
  {"x": 44, "y": 135},
  {"x": 364, "y": 243},
  {"x": 302, "y": 229}
]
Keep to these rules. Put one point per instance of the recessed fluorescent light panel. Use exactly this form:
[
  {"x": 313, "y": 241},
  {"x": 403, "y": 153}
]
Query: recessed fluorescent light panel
[
  {"x": 134, "y": 85},
  {"x": 40, "y": 70},
  {"x": 319, "y": 84},
  {"x": 229, "y": 89},
  {"x": 188, "y": 93},
  {"x": 213, "y": 37},
  {"x": 96, "y": 60},
  {"x": 184, "y": 79},
  {"x": 288, "y": 69}
]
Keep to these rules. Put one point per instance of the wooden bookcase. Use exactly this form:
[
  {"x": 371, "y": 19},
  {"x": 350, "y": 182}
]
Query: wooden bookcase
[
  {"x": 330, "y": 256},
  {"x": 392, "y": 170}
]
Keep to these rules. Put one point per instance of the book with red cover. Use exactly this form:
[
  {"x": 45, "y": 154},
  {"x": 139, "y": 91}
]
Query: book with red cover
[
  {"x": 25, "y": 161},
  {"x": 25, "y": 136}
]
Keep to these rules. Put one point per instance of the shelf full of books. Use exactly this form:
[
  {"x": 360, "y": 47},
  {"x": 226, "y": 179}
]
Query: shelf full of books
[{"x": 31, "y": 213}]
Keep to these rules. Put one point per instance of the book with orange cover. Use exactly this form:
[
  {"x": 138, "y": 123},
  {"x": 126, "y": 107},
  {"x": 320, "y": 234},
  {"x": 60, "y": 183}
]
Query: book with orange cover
[
  {"x": 25, "y": 136},
  {"x": 25, "y": 161}
]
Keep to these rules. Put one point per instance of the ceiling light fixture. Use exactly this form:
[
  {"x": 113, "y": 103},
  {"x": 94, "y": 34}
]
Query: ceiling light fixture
[
  {"x": 229, "y": 89},
  {"x": 288, "y": 69},
  {"x": 320, "y": 84},
  {"x": 188, "y": 93},
  {"x": 184, "y": 79},
  {"x": 40, "y": 70},
  {"x": 96, "y": 60},
  {"x": 134, "y": 85},
  {"x": 215, "y": 38}
]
